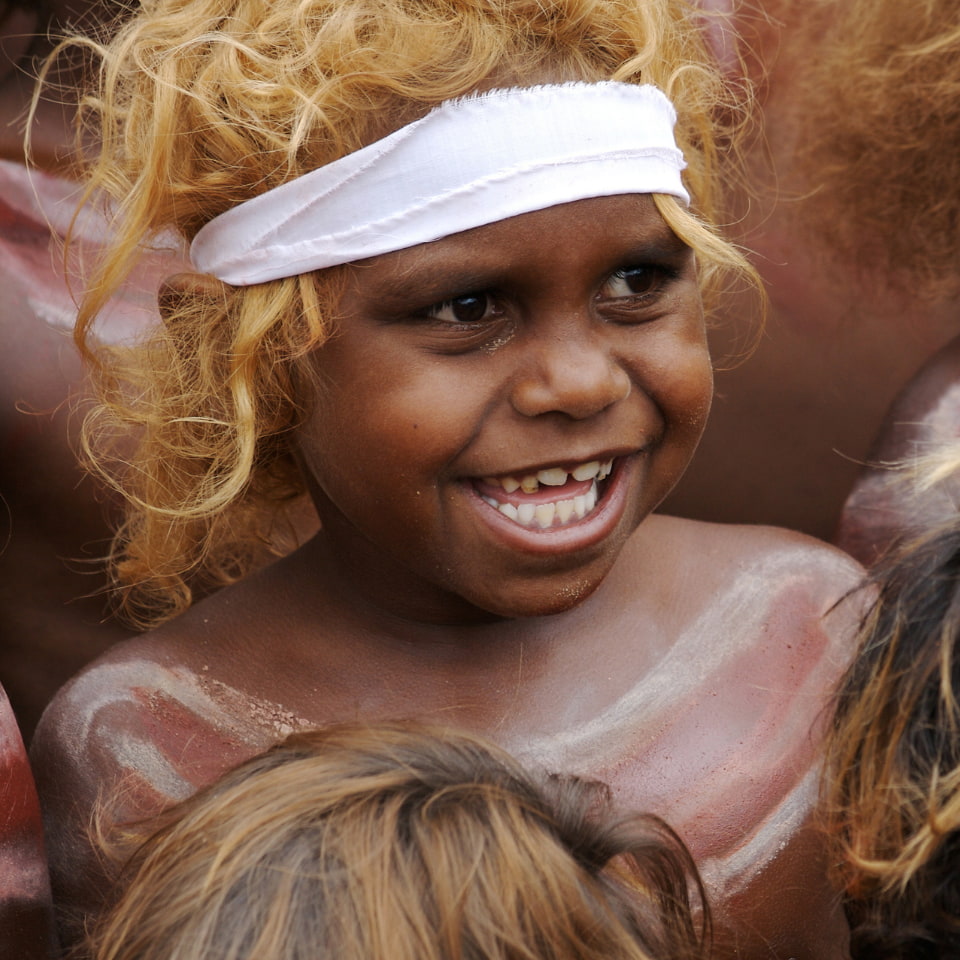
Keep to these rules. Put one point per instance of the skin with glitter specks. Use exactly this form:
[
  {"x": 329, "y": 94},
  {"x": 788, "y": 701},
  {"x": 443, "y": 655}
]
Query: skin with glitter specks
[{"x": 685, "y": 664}]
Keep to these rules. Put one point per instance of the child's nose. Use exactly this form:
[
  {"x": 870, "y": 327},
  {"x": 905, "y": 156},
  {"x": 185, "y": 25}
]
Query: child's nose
[{"x": 578, "y": 377}]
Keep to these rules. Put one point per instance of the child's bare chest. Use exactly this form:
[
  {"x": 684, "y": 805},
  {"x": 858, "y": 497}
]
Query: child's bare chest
[
  {"x": 702, "y": 708},
  {"x": 707, "y": 721},
  {"x": 716, "y": 737}
]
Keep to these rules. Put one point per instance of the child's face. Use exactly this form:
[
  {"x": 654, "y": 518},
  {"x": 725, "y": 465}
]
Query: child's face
[{"x": 552, "y": 341}]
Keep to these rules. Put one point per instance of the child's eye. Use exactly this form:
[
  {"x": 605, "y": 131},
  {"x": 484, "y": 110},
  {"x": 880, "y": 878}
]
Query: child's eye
[
  {"x": 642, "y": 280},
  {"x": 470, "y": 308}
]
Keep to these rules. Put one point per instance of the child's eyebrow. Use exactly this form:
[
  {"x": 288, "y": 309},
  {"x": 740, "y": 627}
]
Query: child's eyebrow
[
  {"x": 427, "y": 283},
  {"x": 664, "y": 246},
  {"x": 437, "y": 274}
]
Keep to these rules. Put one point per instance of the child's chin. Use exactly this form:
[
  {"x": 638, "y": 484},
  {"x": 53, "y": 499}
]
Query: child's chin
[{"x": 542, "y": 599}]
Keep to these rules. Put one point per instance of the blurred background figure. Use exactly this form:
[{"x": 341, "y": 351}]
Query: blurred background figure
[
  {"x": 53, "y": 521},
  {"x": 886, "y": 506},
  {"x": 853, "y": 210},
  {"x": 26, "y": 920}
]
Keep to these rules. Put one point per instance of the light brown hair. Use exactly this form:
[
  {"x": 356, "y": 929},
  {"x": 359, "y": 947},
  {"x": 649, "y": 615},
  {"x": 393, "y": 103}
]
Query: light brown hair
[
  {"x": 892, "y": 785},
  {"x": 397, "y": 842}
]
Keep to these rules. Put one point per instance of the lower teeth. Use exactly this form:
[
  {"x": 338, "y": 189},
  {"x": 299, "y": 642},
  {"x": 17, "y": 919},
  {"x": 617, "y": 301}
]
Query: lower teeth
[{"x": 545, "y": 515}]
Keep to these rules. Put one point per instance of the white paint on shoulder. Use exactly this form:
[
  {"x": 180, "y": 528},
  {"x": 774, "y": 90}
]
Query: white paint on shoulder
[
  {"x": 131, "y": 684},
  {"x": 727, "y": 876},
  {"x": 733, "y": 701}
]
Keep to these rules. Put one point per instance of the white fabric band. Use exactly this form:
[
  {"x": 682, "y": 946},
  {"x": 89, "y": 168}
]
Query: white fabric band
[{"x": 467, "y": 163}]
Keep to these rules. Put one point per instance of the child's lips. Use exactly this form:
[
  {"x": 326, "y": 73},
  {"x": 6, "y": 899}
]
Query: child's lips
[{"x": 549, "y": 498}]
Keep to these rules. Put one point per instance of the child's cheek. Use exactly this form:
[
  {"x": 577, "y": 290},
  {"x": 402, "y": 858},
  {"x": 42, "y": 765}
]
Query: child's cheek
[{"x": 686, "y": 391}]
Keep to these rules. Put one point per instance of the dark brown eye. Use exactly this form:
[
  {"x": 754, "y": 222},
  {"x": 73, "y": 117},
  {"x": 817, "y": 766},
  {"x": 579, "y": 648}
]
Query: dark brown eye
[
  {"x": 634, "y": 281},
  {"x": 470, "y": 308}
]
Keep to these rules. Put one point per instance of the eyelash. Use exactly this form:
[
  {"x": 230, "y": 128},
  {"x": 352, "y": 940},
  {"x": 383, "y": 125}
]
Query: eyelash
[
  {"x": 486, "y": 298},
  {"x": 659, "y": 276}
]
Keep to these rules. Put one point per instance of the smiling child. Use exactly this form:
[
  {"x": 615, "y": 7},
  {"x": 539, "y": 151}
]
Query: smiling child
[{"x": 450, "y": 267}]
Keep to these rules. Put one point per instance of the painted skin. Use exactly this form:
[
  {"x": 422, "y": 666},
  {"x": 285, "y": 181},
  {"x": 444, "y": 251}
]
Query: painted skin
[
  {"x": 26, "y": 911},
  {"x": 686, "y": 664},
  {"x": 53, "y": 615},
  {"x": 882, "y": 507}
]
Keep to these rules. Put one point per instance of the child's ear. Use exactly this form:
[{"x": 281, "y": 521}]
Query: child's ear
[{"x": 182, "y": 288}]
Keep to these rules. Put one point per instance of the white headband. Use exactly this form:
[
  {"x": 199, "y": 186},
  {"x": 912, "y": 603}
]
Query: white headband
[{"x": 467, "y": 163}]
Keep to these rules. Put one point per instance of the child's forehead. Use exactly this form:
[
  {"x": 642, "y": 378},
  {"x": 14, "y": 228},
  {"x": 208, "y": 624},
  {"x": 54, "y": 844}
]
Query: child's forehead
[
  {"x": 595, "y": 234},
  {"x": 627, "y": 218}
]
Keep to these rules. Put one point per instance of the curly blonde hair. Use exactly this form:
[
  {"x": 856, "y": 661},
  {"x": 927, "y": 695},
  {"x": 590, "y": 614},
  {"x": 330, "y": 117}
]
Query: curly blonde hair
[
  {"x": 395, "y": 842},
  {"x": 198, "y": 105}
]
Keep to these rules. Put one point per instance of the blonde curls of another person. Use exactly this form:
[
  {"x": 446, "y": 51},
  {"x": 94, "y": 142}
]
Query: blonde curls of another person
[
  {"x": 892, "y": 789},
  {"x": 197, "y": 106},
  {"x": 401, "y": 843}
]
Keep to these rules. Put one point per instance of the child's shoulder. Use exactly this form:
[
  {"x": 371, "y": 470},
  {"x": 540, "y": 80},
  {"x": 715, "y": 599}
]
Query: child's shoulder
[
  {"x": 726, "y": 554},
  {"x": 750, "y": 584},
  {"x": 152, "y": 718},
  {"x": 189, "y": 674},
  {"x": 142, "y": 707},
  {"x": 133, "y": 732},
  {"x": 743, "y": 539}
]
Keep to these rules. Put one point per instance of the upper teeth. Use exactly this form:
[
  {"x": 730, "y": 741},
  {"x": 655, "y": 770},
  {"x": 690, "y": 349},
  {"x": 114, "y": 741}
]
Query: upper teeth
[{"x": 553, "y": 477}]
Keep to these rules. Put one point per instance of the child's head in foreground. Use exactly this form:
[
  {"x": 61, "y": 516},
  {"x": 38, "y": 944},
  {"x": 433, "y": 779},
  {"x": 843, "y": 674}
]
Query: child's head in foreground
[
  {"x": 401, "y": 843},
  {"x": 201, "y": 106},
  {"x": 893, "y": 760}
]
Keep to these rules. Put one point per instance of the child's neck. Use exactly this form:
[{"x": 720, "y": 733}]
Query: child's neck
[
  {"x": 301, "y": 634},
  {"x": 398, "y": 601},
  {"x": 405, "y": 634}
]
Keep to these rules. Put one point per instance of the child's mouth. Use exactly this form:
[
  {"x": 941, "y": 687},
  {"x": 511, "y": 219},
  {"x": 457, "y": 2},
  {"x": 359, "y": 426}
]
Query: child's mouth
[{"x": 553, "y": 497}]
